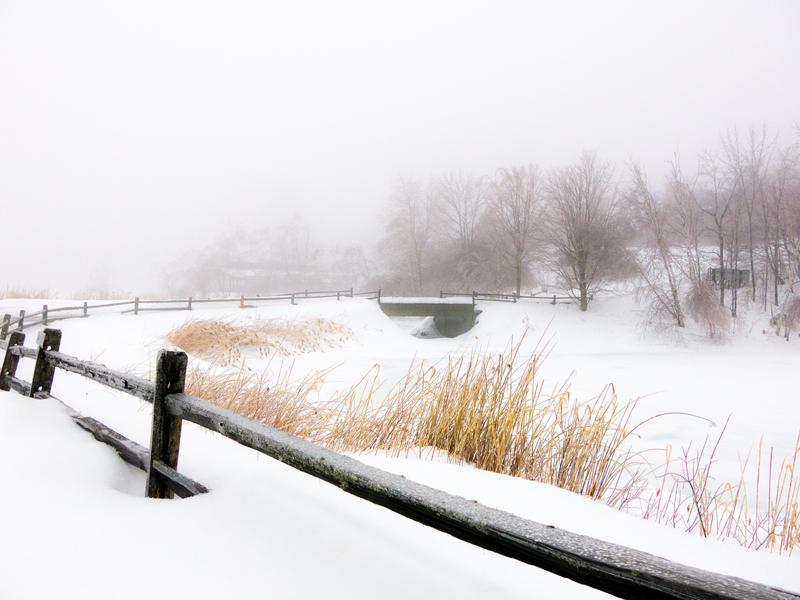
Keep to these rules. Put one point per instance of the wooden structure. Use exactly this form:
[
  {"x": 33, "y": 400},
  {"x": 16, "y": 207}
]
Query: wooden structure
[
  {"x": 512, "y": 297},
  {"x": 731, "y": 278},
  {"x": 49, "y": 314}
]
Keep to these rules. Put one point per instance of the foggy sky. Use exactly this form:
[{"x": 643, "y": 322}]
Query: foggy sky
[{"x": 132, "y": 131}]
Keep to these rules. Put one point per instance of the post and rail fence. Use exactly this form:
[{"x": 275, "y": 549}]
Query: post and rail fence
[
  {"x": 616, "y": 569},
  {"x": 512, "y": 297},
  {"x": 137, "y": 305}
]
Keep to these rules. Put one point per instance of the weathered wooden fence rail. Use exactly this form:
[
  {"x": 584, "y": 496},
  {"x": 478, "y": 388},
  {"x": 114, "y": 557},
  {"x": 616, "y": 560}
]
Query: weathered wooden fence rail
[
  {"x": 616, "y": 569},
  {"x": 48, "y": 359},
  {"x": 49, "y": 314},
  {"x": 513, "y": 297}
]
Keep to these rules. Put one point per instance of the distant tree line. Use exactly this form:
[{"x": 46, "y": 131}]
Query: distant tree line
[
  {"x": 578, "y": 229},
  {"x": 263, "y": 260},
  {"x": 582, "y": 228},
  {"x": 503, "y": 233}
]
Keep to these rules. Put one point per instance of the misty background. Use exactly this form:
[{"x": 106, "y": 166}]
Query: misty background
[{"x": 136, "y": 134}]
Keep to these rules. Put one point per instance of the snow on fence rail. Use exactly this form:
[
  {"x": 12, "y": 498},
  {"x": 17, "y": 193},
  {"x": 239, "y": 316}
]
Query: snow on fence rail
[
  {"x": 45, "y": 316},
  {"x": 616, "y": 569},
  {"x": 513, "y": 297}
]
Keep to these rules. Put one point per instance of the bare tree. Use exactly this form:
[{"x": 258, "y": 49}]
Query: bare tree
[
  {"x": 294, "y": 254},
  {"x": 460, "y": 200},
  {"x": 584, "y": 231},
  {"x": 408, "y": 233},
  {"x": 515, "y": 206},
  {"x": 657, "y": 264},
  {"x": 459, "y": 203},
  {"x": 717, "y": 203},
  {"x": 688, "y": 219},
  {"x": 776, "y": 218},
  {"x": 687, "y": 215},
  {"x": 785, "y": 196},
  {"x": 748, "y": 164}
]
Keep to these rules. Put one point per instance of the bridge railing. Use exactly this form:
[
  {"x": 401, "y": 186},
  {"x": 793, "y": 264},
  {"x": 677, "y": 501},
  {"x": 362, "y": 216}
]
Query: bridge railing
[
  {"x": 512, "y": 297},
  {"x": 616, "y": 569}
]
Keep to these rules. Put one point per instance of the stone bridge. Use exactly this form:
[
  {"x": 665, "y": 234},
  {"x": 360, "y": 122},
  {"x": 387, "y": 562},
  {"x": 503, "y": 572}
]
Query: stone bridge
[{"x": 452, "y": 316}]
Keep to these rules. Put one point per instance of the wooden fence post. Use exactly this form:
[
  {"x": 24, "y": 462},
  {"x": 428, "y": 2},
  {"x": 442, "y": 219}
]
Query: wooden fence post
[
  {"x": 16, "y": 338},
  {"x": 136, "y": 305},
  {"x": 379, "y": 295},
  {"x": 473, "y": 297},
  {"x": 85, "y": 308},
  {"x": 351, "y": 292},
  {"x": 293, "y": 298},
  {"x": 554, "y": 299},
  {"x": 165, "y": 435},
  {"x": 44, "y": 314},
  {"x": 241, "y": 301},
  {"x": 4, "y": 328},
  {"x": 21, "y": 321},
  {"x": 190, "y": 303},
  {"x": 42, "y": 380},
  {"x": 306, "y": 294},
  {"x": 337, "y": 295}
]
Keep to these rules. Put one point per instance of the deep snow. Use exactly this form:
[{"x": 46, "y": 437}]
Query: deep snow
[{"x": 266, "y": 527}]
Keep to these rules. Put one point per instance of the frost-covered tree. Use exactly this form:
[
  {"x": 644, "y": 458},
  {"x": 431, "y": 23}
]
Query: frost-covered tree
[
  {"x": 718, "y": 201},
  {"x": 515, "y": 215},
  {"x": 688, "y": 227},
  {"x": 748, "y": 163},
  {"x": 409, "y": 232},
  {"x": 459, "y": 203},
  {"x": 781, "y": 212},
  {"x": 656, "y": 261},
  {"x": 584, "y": 229}
]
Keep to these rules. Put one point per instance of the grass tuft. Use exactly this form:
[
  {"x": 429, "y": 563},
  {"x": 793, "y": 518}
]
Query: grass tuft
[
  {"x": 25, "y": 293},
  {"x": 222, "y": 342}
]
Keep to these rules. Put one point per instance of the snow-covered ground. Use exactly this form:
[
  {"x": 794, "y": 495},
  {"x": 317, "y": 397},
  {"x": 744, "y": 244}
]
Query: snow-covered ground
[{"x": 78, "y": 526}]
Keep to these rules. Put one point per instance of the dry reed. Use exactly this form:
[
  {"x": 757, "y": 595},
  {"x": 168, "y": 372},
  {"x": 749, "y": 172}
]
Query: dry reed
[
  {"x": 489, "y": 411},
  {"x": 492, "y": 412},
  {"x": 25, "y": 293},
  {"x": 272, "y": 398},
  {"x": 101, "y": 294},
  {"x": 764, "y": 515},
  {"x": 222, "y": 342}
]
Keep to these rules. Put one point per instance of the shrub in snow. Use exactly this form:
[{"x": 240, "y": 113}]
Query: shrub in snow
[{"x": 704, "y": 307}]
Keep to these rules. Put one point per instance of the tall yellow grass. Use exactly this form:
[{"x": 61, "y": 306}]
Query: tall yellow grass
[
  {"x": 222, "y": 342},
  {"x": 492, "y": 411},
  {"x": 272, "y": 398},
  {"x": 489, "y": 411}
]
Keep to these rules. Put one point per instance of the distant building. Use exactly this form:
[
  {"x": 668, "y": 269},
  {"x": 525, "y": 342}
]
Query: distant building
[{"x": 731, "y": 277}]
